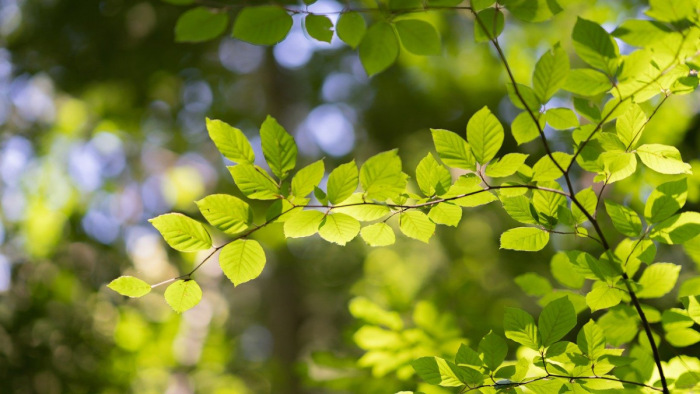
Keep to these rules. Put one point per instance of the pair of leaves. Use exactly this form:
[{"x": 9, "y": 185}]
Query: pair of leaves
[
  {"x": 181, "y": 295},
  {"x": 556, "y": 320}
]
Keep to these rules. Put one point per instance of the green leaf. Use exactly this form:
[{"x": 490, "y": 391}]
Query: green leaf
[
  {"x": 663, "y": 158},
  {"x": 477, "y": 5},
  {"x": 230, "y": 141},
  {"x": 683, "y": 337},
  {"x": 351, "y": 28},
  {"x": 589, "y": 200},
  {"x": 342, "y": 182},
  {"x": 625, "y": 220},
  {"x": 673, "y": 11},
  {"x": 491, "y": 26},
  {"x": 520, "y": 208},
  {"x": 524, "y": 128},
  {"x": 530, "y": 239},
  {"x": 416, "y": 225},
  {"x": 453, "y": 150},
  {"x": 364, "y": 309},
  {"x": 379, "y": 48},
  {"x": 565, "y": 272},
  {"x": 242, "y": 260},
  {"x": 493, "y": 350},
  {"x": 466, "y": 356},
  {"x": 666, "y": 200},
  {"x": 658, "y": 279},
  {"x": 427, "y": 369},
  {"x": 307, "y": 178},
  {"x": 446, "y": 213},
  {"x": 551, "y": 72},
  {"x": 587, "y": 82},
  {"x": 418, "y": 37},
  {"x": 532, "y": 10},
  {"x": 183, "y": 295},
  {"x": 506, "y": 165},
  {"x": 641, "y": 33},
  {"x": 561, "y": 118},
  {"x": 378, "y": 234},
  {"x": 181, "y": 232},
  {"x": 381, "y": 176},
  {"x": 263, "y": 25},
  {"x": 319, "y": 27},
  {"x": 533, "y": 284},
  {"x": 254, "y": 182},
  {"x": 485, "y": 135},
  {"x": 303, "y": 223},
  {"x": 603, "y": 296},
  {"x": 595, "y": 46},
  {"x": 630, "y": 125},
  {"x": 556, "y": 320},
  {"x": 355, "y": 207},
  {"x": 130, "y": 286},
  {"x": 524, "y": 98},
  {"x": 339, "y": 228},
  {"x": 432, "y": 177},
  {"x": 546, "y": 170},
  {"x": 548, "y": 204},
  {"x": 227, "y": 213},
  {"x": 200, "y": 24},
  {"x": 677, "y": 229},
  {"x": 617, "y": 166},
  {"x": 591, "y": 340},
  {"x": 279, "y": 148},
  {"x": 520, "y": 327}
]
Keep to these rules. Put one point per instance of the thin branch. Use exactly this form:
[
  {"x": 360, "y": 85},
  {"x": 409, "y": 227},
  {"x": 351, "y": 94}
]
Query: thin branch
[{"x": 555, "y": 376}]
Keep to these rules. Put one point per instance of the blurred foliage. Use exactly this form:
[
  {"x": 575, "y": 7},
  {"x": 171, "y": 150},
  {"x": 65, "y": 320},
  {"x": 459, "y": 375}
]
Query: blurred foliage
[{"x": 102, "y": 127}]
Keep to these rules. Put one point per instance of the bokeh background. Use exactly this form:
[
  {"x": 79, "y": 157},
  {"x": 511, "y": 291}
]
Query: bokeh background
[{"x": 102, "y": 127}]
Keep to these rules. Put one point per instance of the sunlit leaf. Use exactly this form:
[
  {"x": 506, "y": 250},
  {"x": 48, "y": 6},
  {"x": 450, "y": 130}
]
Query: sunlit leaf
[
  {"x": 263, "y": 25},
  {"x": 182, "y": 295},
  {"x": 181, "y": 232},
  {"x": 130, "y": 286}
]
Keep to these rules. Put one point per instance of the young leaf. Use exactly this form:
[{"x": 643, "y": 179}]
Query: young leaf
[
  {"x": 551, "y": 72},
  {"x": 658, "y": 279},
  {"x": 183, "y": 295},
  {"x": 432, "y": 177},
  {"x": 625, "y": 220},
  {"x": 546, "y": 170},
  {"x": 379, "y": 48},
  {"x": 200, "y": 24},
  {"x": 446, "y": 213},
  {"x": 520, "y": 208},
  {"x": 524, "y": 129},
  {"x": 565, "y": 272},
  {"x": 591, "y": 340},
  {"x": 254, "y": 182},
  {"x": 666, "y": 200},
  {"x": 342, "y": 182},
  {"x": 561, "y": 118},
  {"x": 556, "y": 320},
  {"x": 378, "y": 234},
  {"x": 227, "y": 213},
  {"x": 307, "y": 178},
  {"x": 418, "y": 37},
  {"x": 595, "y": 46},
  {"x": 488, "y": 24},
  {"x": 663, "y": 158},
  {"x": 339, "y": 228},
  {"x": 351, "y": 28},
  {"x": 181, "y": 232},
  {"x": 641, "y": 32},
  {"x": 263, "y": 25},
  {"x": 453, "y": 150},
  {"x": 617, "y": 165},
  {"x": 319, "y": 27},
  {"x": 130, "y": 286},
  {"x": 630, "y": 125},
  {"x": 354, "y": 207},
  {"x": 230, "y": 141},
  {"x": 427, "y": 369},
  {"x": 506, "y": 165},
  {"x": 603, "y": 296},
  {"x": 415, "y": 224},
  {"x": 493, "y": 350},
  {"x": 521, "y": 328},
  {"x": 529, "y": 239},
  {"x": 677, "y": 229},
  {"x": 303, "y": 223},
  {"x": 278, "y": 147},
  {"x": 524, "y": 98},
  {"x": 587, "y": 82},
  {"x": 533, "y": 284},
  {"x": 381, "y": 176},
  {"x": 242, "y": 260},
  {"x": 589, "y": 200},
  {"x": 485, "y": 135}
]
